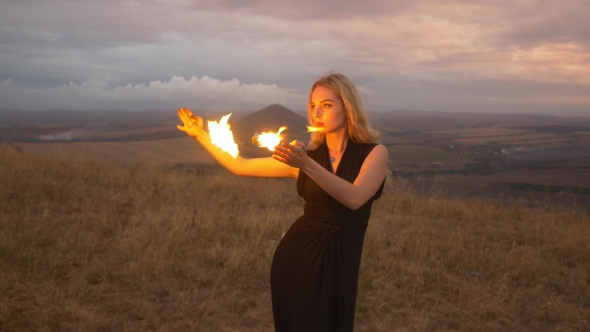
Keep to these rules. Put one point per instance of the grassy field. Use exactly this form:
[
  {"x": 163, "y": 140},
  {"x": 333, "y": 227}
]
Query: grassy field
[
  {"x": 583, "y": 139},
  {"x": 416, "y": 154},
  {"x": 519, "y": 139},
  {"x": 391, "y": 139},
  {"x": 543, "y": 141},
  {"x": 165, "y": 151},
  {"x": 186, "y": 150},
  {"x": 575, "y": 163},
  {"x": 571, "y": 177},
  {"x": 478, "y": 132},
  {"x": 161, "y": 151},
  {"x": 87, "y": 246}
]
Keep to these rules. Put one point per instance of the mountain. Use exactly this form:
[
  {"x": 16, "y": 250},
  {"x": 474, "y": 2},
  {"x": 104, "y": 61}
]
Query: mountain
[{"x": 271, "y": 118}]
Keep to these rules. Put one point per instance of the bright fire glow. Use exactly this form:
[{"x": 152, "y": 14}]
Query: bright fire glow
[
  {"x": 313, "y": 129},
  {"x": 269, "y": 140},
  {"x": 222, "y": 136}
]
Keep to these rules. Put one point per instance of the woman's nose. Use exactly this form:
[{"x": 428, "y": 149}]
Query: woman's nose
[{"x": 318, "y": 112}]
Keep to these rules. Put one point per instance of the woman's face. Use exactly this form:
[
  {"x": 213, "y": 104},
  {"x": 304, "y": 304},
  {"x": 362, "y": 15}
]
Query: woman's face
[{"x": 327, "y": 110}]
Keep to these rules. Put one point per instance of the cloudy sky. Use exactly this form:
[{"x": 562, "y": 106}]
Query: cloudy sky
[{"x": 524, "y": 56}]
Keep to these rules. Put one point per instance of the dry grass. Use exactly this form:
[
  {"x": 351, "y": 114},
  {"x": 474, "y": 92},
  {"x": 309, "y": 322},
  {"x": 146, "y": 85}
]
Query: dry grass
[{"x": 86, "y": 246}]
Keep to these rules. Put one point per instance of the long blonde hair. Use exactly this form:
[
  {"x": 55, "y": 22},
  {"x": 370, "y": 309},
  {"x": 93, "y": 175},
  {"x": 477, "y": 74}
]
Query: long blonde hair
[{"x": 359, "y": 129}]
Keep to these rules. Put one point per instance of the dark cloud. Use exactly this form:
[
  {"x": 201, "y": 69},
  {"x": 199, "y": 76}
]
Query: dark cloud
[
  {"x": 473, "y": 55},
  {"x": 307, "y": 9},
  {"x": 203, "y": 92},
  {"x": 547, "y": 22}
]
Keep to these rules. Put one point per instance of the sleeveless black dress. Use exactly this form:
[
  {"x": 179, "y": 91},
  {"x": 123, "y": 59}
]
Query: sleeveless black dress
[{"x": 315, "y": 268}]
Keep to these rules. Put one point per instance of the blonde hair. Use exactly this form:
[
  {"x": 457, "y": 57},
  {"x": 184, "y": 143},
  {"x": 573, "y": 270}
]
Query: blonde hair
[{"x": 359, "y": 129}]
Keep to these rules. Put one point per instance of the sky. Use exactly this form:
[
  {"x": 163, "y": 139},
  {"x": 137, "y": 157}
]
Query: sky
[{"x": 492, "y": 56}]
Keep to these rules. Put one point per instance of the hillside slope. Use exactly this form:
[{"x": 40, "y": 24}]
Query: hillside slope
[
  {"x": 88, "y": 246},
  {"x": 271, "y": 118}
]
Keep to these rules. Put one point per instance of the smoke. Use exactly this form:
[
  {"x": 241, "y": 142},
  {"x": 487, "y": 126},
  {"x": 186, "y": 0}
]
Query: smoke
[{"x": 66, "y": 136}]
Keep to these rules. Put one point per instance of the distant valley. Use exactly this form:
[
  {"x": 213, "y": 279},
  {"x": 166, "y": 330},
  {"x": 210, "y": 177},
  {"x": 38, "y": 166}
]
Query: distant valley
[{"x": 467, "y": 154}]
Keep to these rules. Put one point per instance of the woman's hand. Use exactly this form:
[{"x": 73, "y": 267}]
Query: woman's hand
[
  {"x": 192, "y": 124},
  {"x": 293, "y": 154}
]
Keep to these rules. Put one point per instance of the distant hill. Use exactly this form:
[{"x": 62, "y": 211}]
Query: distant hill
[{"x": 271, "y": 118}]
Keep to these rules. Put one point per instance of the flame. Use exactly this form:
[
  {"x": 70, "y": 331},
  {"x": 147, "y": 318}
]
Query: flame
[
  {"x": 268, "y": 140},
  {"x": 222, "y": 136},
  {"x": 313, "y": 129}
]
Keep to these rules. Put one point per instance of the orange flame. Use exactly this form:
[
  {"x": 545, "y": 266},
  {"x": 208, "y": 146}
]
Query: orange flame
[
  {"x": 311, "y": 129},
  {"x": 222, "y": 136},
  {"x": 268, "y": 140}
]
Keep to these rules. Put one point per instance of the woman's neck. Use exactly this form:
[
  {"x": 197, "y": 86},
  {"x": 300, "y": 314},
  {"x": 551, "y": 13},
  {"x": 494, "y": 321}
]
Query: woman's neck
[{"x": 337, "y": 141}]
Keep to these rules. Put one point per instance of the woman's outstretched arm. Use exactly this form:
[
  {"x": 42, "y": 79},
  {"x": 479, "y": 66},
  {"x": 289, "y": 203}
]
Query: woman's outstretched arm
[
  {"x": 256, "y": 167},
  {"x": 352, "y": 195}
]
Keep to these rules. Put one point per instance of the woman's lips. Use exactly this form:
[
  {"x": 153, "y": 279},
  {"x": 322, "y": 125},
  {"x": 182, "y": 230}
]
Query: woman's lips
[{"x": 319, "y": 124}]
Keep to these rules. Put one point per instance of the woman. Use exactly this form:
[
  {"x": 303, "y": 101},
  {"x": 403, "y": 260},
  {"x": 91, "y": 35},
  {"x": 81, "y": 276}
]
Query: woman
[{"x": 314, "y": 272}]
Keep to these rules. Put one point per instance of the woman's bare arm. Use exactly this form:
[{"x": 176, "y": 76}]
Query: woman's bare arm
[
  {"x": 352, "y": 195},
  {"x": 256, "y": 167}
]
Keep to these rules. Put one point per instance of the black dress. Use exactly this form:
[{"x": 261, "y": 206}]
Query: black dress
[{"x": 315, "y": 268}]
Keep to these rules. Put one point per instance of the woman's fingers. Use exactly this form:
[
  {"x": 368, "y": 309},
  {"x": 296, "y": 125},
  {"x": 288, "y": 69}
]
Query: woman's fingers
[
  {"x": 277, "y": 158},
  {"x": 182, "y": 115},
  {"x": 289, "y": 154},
  {"x": 297, "y": 143},
  {"x": 288, "y": 149},
  {"x": 297, "y": 149},
  {"x": 188, "y": 119},
  {"x": 282, "y": 151},
  {"x": 185, "y": 111},
  {"x": 281, "y": 154}
]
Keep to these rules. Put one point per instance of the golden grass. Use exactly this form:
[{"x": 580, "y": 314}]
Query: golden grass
[{"x": 87, "y": 246}]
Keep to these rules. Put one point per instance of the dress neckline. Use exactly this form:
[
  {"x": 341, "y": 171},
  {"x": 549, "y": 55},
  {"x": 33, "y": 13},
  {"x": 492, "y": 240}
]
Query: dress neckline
[{"x": 327, "y": 154}]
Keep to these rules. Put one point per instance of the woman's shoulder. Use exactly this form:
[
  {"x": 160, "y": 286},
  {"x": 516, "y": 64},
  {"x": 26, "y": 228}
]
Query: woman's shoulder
[
  {"x": 368, "y": 146},
  {"x": 364, "y": 149}
]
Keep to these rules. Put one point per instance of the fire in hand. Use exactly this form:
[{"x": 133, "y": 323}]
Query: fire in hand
[
  {"x": 268, "y": 140},
  {"x": 311, "y": 129},
  {"x": 222, "y": 136}
]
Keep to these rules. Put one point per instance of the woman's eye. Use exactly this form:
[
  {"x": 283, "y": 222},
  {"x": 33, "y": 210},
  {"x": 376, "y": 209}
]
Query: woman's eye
[
  {"x": 312, "y": 106},
  {"x": 327, "y": 105}
]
